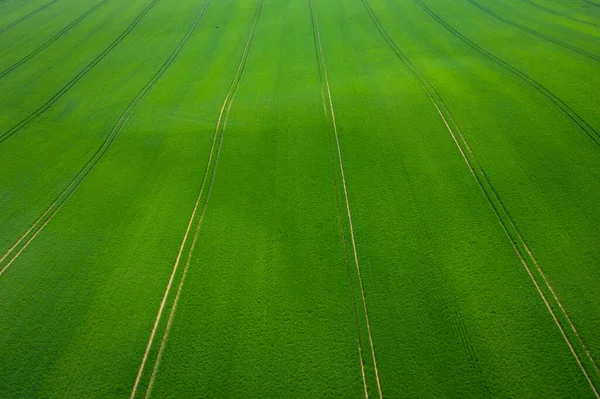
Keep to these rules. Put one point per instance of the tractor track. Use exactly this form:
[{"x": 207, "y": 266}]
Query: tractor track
[
  {"x": 592, "y": 3},
  {"x": 541, "y": 7},
  {"x": 31, "y": 14},
  {"x": 534, "y": 32},
  {"x": 51, "y": 40},
  {"x": 217, "y": 137},
  {"x": 329, "y": 110},
  {"x": 23, "y": 123},
  {"x": 340, "y": 216},
  {"x": 583, "y": 125},
  {"x": 506, "y": 221},
  {"x": 569, "y": 321},
  {"x": 13, "y": 253}
]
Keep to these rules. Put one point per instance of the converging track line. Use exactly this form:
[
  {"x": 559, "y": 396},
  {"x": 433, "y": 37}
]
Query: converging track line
[
  {"x": 217, "y": 137},
  {"x": 339, "y": 206},
  {"x": 534, "y": 32},
  {"x": 13, "y": 253},
  {"x": 51, "y": 40},
  {"x": 31, "y": 14},
  {"x": 519, "y": 244},
  {"x": 328, "y": 108},
  {"x": 77, "y": 77},
  {"x": 592, "y": 3},
  {"x": 583, "y": 125},
  {"x": 559, "y": 13}
]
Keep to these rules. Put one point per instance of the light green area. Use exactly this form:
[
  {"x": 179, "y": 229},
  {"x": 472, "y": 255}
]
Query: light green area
[
  {"x": 272, "y": 302},
  {"x": 13, "y": 13}
]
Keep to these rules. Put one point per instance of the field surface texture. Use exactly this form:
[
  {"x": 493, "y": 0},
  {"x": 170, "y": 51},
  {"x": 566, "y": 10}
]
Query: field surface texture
[{"x": 299, "y": 198}]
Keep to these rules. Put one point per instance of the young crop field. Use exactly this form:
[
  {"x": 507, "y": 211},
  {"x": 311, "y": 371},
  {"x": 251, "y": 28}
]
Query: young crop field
[{"x": 299, "y": 198}]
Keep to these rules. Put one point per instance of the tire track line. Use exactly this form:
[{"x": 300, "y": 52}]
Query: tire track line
[
  {"x": 525, "y": 246},
  {"x": 338, "y": 201},
  {"x": 53, "y": 209},
  {"x": 592, "y": 3},
  {"x": 31, "y": 14},
  {"x": 534, "y": 32},
  {"x": 51, "y": 40},
  {"x": 217, "y": 136},
  {"x": 509, "y": 229},
  {"x": 77, "y": 77},
  {"x": 584, "y": 126},
  {"x": 541, "y": 7},
  {"x": 542, "y": 273},
  {"x": 496, "y": 203},
  {"x": 330, "y": 108}
]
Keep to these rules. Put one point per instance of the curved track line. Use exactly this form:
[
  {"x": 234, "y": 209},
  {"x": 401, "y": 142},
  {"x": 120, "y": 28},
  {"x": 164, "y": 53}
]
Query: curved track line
[
  {"x": 53, "y": 209},
  {"x": 534, "y": 32},
  {"x": 539, "y": 269},
  {"x": 218, "y": 134},
  {"x": 541, "y": 7},
  {"x": 338, "y": 203},
  {"x": 51, "y": 40},
  {"x": 31, "y": 14},
  {"x": 592, "y": 3},
  {"x": 566, "y": 109},
  {"x": 510, "y": 228},
  {"x": 77, "y": 77},
  {"x": 525, "y": 246},
  {"x": 494, "y": 201},
  {"x": 346, "y": 200}
]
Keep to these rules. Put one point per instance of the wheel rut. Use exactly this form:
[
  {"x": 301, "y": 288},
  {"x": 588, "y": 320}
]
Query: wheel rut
[
  {"x": 577, "y": 346},
  {"x": 186, "y": 250}
]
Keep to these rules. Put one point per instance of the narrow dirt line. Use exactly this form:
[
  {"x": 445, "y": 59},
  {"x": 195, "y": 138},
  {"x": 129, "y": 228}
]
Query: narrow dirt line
[
  {"x": 521, "y": 240},
  {"x": 51, "y": 40},
  {"x": 218, "y": 134},
  {"x": 520, "y": 255},
  {"x": 592, "y": 3},
  {"x": 31, "y": 14},
  {"x": 49, "y": 103},
  {"x": 535, "y": 32},
  {"x": 564, "y": 311},
  {"x": 541, "y": 7},
  {"x": 339, "y": 206},
  {"x": 345, "y": 247},
  {"x": 492, "y": 197},
  {"x": 583, "y": 125},
  {"x": 345, "y": 190},
  {"x": 53, "y": 209},
  {"x": 513, "y": 224},
  {"x": 428, "y": 87}
]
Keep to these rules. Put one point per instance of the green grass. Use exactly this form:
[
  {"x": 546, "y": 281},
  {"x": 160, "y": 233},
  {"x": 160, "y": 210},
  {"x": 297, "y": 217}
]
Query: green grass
[
  {"x": 14, "y": 14},
  {"x": 106, "y": 130}
]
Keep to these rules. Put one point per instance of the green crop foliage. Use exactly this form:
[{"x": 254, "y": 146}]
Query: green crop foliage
[{"x": 299, "y": 198}]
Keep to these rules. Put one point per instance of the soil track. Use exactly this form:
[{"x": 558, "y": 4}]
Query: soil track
[
  {"x": 77, "y": 77},
  {"x": 328, "y": 105},
  {"x": 217, "y": 136},
  {"x": 53, "y": 209},
  {"x": 316, "y": 36},
  {"x": 535, "y": 33},
  {"x": 541, "y": 7},
  {"x": 504, "y": 218},
  {"x": 25, "y": 17},
  {"x": 583, "y": 125},
  {"x": 51, "y": 40}
]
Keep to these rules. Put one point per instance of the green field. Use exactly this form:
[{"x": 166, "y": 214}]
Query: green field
[{"x": 299, "y": 198}]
